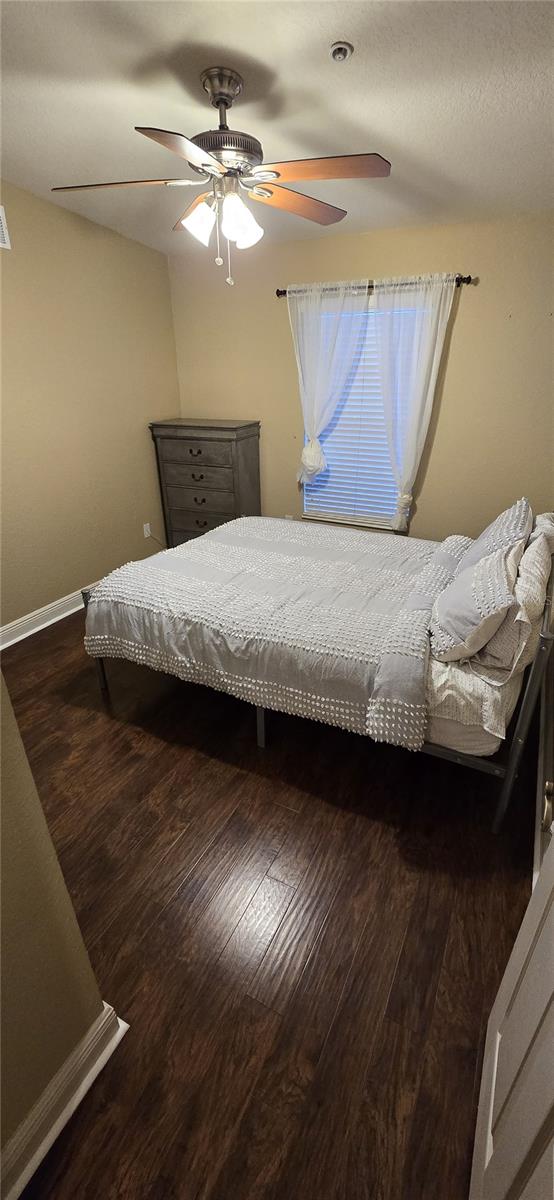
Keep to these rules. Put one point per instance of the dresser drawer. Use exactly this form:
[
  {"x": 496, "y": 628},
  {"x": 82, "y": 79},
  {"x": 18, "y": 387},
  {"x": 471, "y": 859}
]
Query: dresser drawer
[
  {"x": 179, "y": 536},
  {"x": 214, "y": 454},
  {"x": 182, "y": 475},
  {"x": 189, "y": 523},
  {"x": 199, "y": 500}
]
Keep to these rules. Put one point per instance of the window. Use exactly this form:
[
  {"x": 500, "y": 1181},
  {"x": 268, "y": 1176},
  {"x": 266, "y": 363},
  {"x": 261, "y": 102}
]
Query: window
[{"x": 358, "y": 486}]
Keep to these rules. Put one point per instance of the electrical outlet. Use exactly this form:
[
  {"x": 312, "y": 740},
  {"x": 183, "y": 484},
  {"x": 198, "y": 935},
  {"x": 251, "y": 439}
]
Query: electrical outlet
[{"x": 146, "y": 529}]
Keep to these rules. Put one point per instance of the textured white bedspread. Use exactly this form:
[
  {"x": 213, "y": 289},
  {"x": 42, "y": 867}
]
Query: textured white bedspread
[{"x": 288, "y": 616}]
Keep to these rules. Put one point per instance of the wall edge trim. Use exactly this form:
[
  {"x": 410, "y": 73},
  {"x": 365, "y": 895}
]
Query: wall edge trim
[
  {"x": 24, "y": 627},
  {"x": 35, "y": 1135}
]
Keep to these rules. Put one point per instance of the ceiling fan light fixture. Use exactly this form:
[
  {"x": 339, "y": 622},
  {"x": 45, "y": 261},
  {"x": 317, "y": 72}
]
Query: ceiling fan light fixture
[
  {"x": 254, "y": 235},
  {"x": 232, "y": 216},
  {"x": 237, "y": 223},
  {"x": 201, "y": 222}
]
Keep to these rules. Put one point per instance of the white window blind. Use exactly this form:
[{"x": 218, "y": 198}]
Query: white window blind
[{"x": 357, "y": 486}]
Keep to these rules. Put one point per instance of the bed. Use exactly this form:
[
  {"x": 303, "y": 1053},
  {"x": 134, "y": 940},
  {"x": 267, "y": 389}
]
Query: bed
[{"x": 321, "y": 621}]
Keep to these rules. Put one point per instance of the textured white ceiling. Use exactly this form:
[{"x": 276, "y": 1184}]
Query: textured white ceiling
[{"x": 457, "y": 95}]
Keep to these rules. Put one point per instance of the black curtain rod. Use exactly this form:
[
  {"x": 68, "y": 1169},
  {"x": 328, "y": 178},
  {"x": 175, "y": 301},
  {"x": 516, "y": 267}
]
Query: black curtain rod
[{"x": 459, "y": 280}]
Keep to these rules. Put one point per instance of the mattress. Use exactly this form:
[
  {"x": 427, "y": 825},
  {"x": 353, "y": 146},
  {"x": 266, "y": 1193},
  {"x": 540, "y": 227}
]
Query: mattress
[
  {"x": 323, "y": 622},
  {"x": 464, "y": 739}
]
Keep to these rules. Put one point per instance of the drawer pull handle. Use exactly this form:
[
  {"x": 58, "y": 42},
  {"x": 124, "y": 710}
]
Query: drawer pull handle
[
  {"x": 201, "y": 524},
  {"x": 194, "y": 453},
  {"x": 202, "y": 500},
  {"x": 197, "y": 478}
]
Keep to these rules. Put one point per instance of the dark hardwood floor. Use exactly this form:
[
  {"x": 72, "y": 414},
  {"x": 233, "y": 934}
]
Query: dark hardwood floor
[{"x": 306, "y": 941}]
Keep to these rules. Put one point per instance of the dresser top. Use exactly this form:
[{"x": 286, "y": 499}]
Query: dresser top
[{"x": 201, "y": 423}]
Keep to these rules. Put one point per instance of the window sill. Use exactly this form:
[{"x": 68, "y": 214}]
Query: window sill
[{"x": 384, "y": 524}]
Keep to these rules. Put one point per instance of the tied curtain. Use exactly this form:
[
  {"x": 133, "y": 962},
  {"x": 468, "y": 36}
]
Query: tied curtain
[
  {"x": 327, "y": 329},
  {"x": 328, "y": 324}
]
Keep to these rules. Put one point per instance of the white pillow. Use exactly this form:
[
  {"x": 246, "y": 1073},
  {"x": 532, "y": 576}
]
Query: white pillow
[
  {"x": 514, "y": 644},
  {"x": 512, "y": 526},
  {"x": 544, "y": 523},
  {"x": 472, "y": 607}
]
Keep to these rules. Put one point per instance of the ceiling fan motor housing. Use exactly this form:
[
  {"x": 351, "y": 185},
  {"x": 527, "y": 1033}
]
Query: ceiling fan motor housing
[{"x": 236, "y": 151}]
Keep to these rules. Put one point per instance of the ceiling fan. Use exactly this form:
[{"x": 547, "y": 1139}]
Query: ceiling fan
[{"x": 230, "y": 162}]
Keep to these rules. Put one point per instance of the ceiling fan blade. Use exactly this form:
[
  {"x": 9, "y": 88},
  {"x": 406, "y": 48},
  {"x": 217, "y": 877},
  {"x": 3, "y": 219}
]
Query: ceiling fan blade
[
  {"x": 197, "y": 200},
  {"x": 182, "y": 146},
  {"x": 84, "y": 187},
  {"x": 301, "y": 206},
  {"x": 341, "y": 166}
]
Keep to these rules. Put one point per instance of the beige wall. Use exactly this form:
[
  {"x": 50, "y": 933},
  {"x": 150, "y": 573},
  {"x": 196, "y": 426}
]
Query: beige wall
[
  {"x": 88, "y": 361},
  {"x": 491, "y": 438},
  {"x": 49, "y": 993}
]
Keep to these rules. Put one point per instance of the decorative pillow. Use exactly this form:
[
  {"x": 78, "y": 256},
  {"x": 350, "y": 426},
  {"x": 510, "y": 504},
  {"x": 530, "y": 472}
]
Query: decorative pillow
[
  {"x": 512, "y": 526},
  {"x": 514, "y": 644},
  {"x": 472, "y": 607},
  {"x": 544, "y": 523}
]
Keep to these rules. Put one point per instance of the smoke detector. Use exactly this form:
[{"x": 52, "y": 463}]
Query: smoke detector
[{"x": 341, "y": 51}]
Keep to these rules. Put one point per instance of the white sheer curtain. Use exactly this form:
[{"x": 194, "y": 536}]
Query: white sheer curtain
[
  {"x": 411, "y": 320},
  {"x": 327, "y": 326}
]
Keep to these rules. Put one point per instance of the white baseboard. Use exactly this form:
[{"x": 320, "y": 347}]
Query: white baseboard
[
  {"x": 23, "y": 627},
  {"x": 34, "y": 1137}
]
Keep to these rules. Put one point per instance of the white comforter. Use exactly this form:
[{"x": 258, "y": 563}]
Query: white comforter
[{"x": 313, "y": 620}]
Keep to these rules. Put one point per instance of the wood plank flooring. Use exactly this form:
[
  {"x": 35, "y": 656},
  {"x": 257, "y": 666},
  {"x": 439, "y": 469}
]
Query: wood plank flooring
[{"x": 305, "y": 940}]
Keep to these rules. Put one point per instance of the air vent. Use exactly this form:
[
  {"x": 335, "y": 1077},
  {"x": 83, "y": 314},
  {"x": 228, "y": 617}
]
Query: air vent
[{"x": 5, "y": 243}]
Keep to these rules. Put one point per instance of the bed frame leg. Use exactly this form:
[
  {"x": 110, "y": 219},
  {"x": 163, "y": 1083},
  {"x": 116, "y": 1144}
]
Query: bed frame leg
[
  {"x": 507, "y": 786},
  {"x": 522, "y": 727},
  {"x": 260, "y": 727},
  {"x": 102, "y": 677},
  {"x": 98, "y": 662}
]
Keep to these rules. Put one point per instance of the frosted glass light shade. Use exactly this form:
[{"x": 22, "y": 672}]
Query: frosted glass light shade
[
  {"x": 253, "y": 235},
  {"x": 200, "y": 222},
  {"x": 238, "y": 225}
]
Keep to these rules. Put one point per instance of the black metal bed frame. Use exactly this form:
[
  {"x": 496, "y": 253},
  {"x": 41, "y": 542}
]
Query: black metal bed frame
[{"x": 507, "y": 771}]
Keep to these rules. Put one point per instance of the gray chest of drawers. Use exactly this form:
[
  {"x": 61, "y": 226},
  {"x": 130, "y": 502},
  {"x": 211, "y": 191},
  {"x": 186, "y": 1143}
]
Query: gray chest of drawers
[{"x": 209, "y": 473}]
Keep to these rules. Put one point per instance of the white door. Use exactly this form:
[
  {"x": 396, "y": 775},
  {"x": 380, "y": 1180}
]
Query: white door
[{"x": 514, "y": 1140}]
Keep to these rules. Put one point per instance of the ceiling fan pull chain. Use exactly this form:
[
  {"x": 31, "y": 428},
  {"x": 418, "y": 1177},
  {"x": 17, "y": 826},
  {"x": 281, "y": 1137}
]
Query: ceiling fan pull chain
[
  {"x": 218, "y": 259},
  {"x": 229, "y": 279}
]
